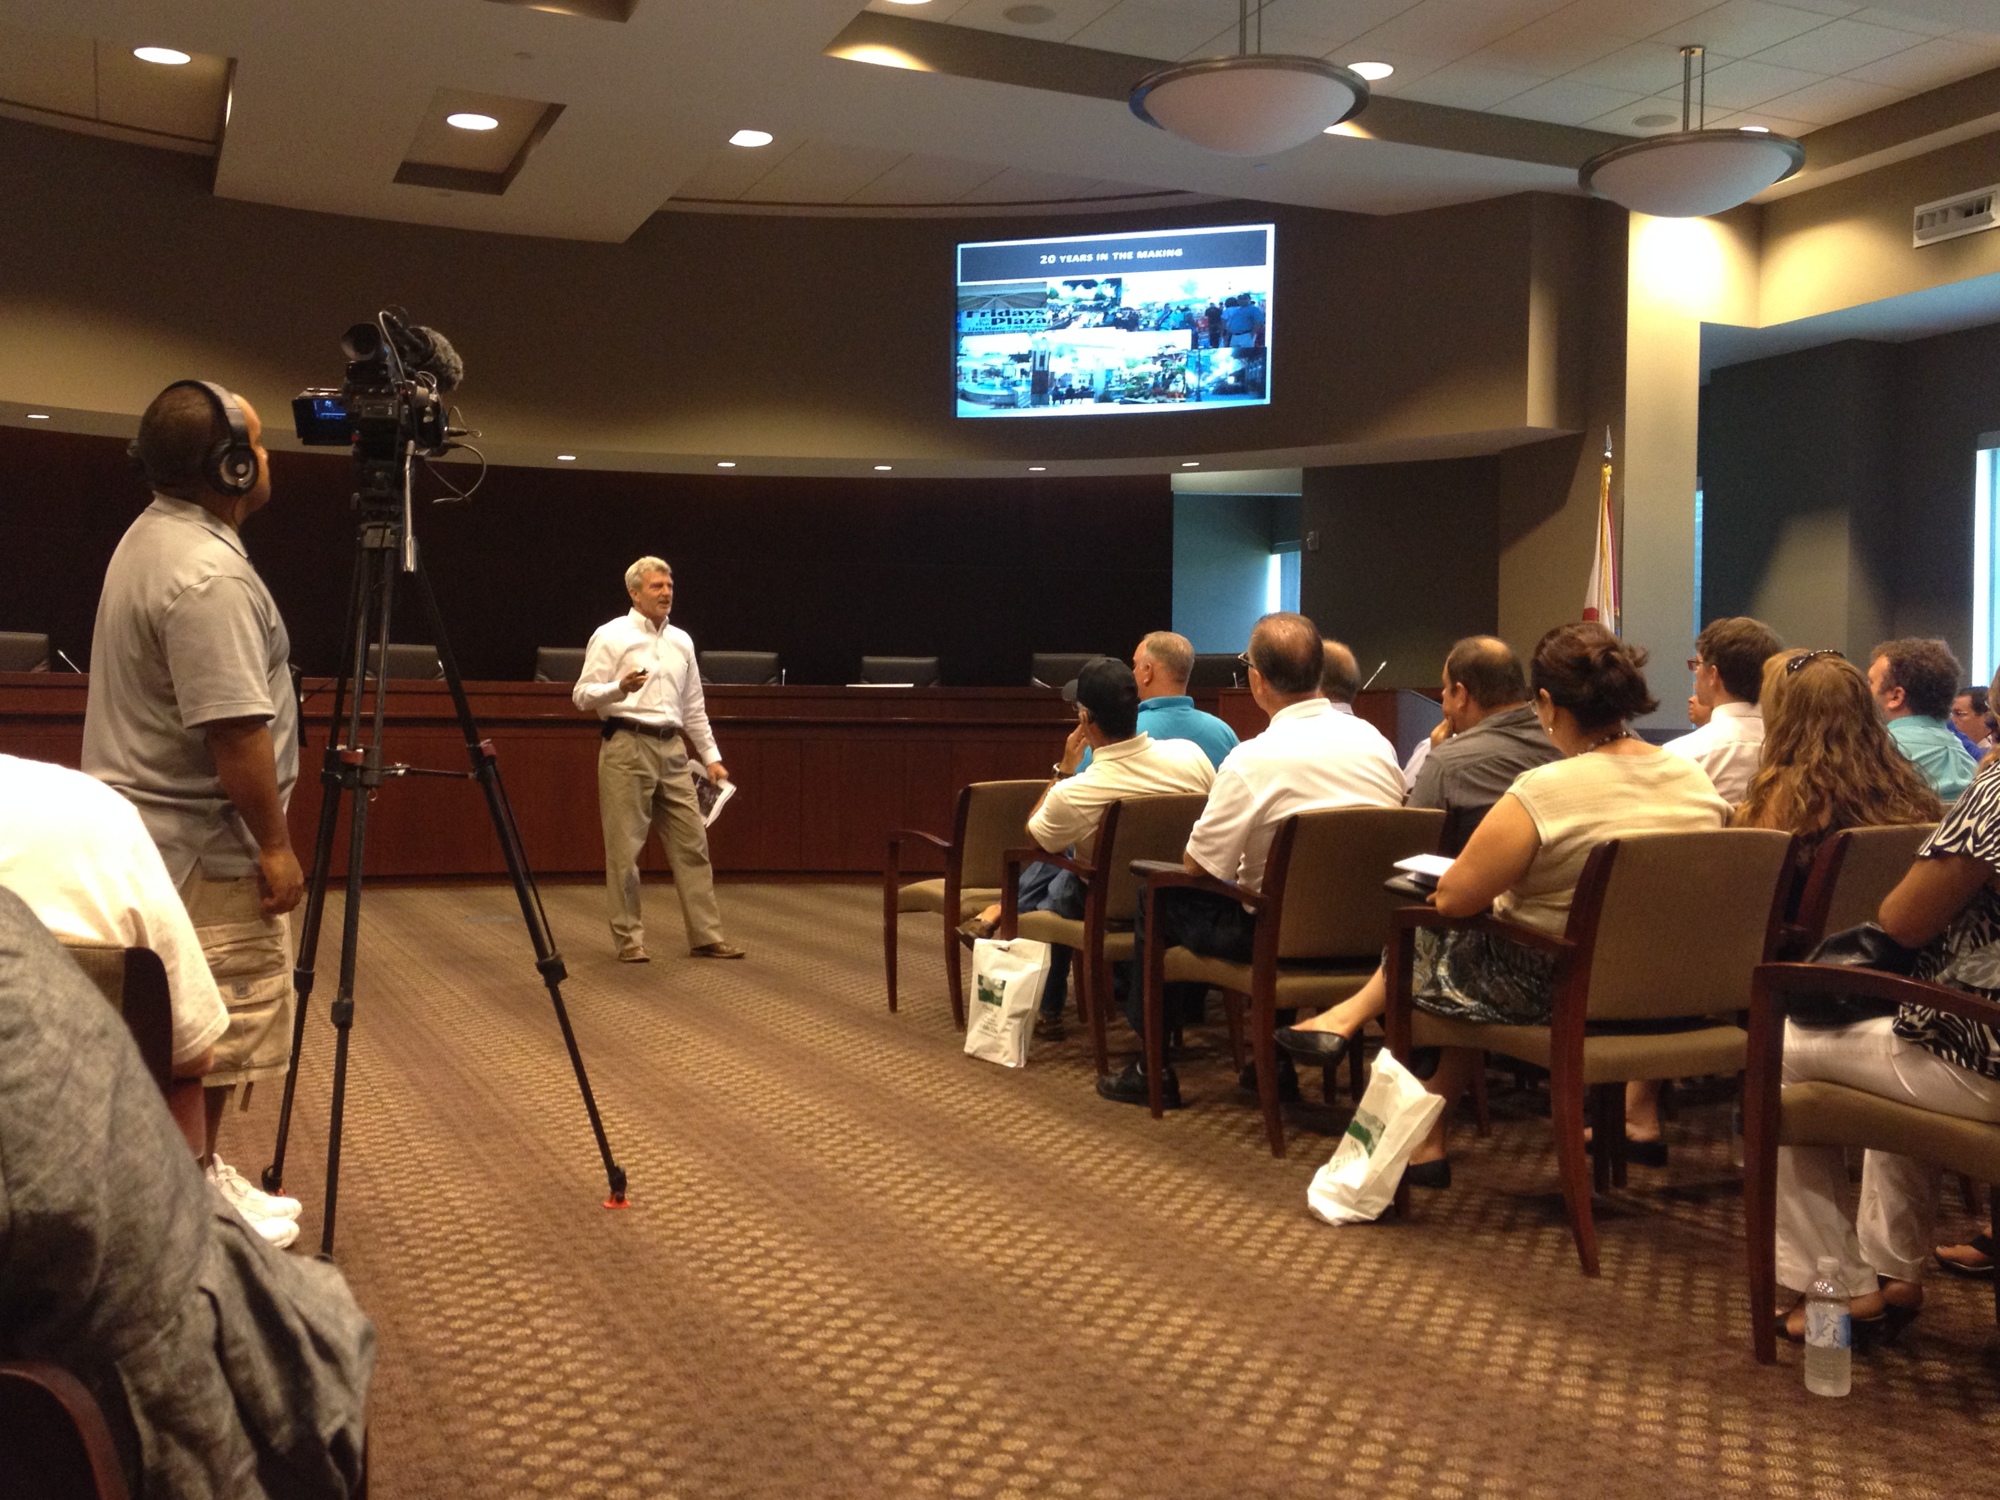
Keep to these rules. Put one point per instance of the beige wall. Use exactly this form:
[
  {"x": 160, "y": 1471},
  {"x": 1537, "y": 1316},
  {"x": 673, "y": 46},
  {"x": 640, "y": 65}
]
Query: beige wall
[
  {"x": 1849, "y": 242},
  {"x": 709, "y": 335}
]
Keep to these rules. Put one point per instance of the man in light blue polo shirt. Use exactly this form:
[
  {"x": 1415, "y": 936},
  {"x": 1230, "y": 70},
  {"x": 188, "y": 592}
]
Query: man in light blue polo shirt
[
  {"x": 1161, "y": 667},
  {"x": 1914, "y": 681}
]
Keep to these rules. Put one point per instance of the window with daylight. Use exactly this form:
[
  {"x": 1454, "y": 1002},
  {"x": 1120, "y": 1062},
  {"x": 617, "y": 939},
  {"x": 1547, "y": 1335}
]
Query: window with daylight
[{"x": 1985, "y": 537}]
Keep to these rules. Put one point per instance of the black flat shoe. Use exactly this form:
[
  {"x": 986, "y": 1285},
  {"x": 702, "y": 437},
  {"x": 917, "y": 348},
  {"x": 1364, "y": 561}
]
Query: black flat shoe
[
  {"x": 1129, "y": 1087},
  {"x": 1867, "y": 1334},
  {"x": 1322, "y": 1049},
  {"x": 1651, "y": 1153},
  {"x": 1429, "y": 1174},
  {"x": 1288, "y": 1080}
]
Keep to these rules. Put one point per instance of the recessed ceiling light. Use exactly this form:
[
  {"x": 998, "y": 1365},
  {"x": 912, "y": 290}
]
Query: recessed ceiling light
[
  {"x": 883, "y": 57},
  {"x": 882, "y": 468},
  {"x": 165, "y": 56},
  {"x": 751, "y": 138},
  {"x": 1652, "y": 122},
  {"x": 565, "y": 458},
  {"x": 1038, "y": 468},
  {"x": 466, "y": 120},
  {"x": 726, "y": 464},
  {"x": 1758, "y": 129},
  {"x": 909, "y": 2},
  {"x": 38, "y": 416},
  {"x": 1374, "y": 72},
  {"x": 1192, "y": 464}
]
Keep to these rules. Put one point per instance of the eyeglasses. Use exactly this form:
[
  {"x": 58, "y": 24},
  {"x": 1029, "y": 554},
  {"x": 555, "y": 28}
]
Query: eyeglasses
[
  {"x": 1695, "y": 663},
  {"x": 1805, "y": 656},
  {"x": 1244, "y": 657}
]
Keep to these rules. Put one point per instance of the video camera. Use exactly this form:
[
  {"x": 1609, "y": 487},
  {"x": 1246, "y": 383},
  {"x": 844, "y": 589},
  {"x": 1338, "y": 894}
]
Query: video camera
[{"x": 389, "y": 402}]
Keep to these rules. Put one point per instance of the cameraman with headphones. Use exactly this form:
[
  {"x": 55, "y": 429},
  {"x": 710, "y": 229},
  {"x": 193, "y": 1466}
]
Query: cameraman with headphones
[{"x": 191, "y": 716}]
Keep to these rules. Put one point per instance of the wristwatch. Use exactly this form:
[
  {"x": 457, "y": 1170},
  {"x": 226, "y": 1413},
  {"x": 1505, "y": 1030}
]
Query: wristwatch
[{"x": 1061, "y": 774}]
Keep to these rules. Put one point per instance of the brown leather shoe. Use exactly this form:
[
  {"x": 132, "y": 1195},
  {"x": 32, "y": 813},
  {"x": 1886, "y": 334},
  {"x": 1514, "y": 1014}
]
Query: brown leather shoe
[{"x": 716, "y": 950}]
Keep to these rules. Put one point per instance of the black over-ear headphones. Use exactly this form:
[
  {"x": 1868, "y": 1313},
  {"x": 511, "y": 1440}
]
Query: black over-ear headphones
[{"x": 231, "y": 464}]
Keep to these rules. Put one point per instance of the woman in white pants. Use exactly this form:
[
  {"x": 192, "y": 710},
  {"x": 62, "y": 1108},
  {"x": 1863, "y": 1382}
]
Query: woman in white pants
[{"x": 1947, "y": 906}]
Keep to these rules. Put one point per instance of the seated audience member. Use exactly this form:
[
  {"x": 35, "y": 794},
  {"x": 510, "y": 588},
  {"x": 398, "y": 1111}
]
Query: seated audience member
[
  {"x": 1947, "y": 907},
  {"x": 1161, "y": 666},
  {"x": 1828, "y": 764},
  {"x": 1125, "y": 761},
  {"x": 1971, "y": 721},
  {"x": 1310, "y": 757},
  {"x": 1491, "y": 736},
  {"x": 1728, "y": 668},
  {"x": 1914, "y": 682},
  {"x": 76, "y": 852},
  {"x": 1340, "y": 675},
  {"x": 1527, "y": 856},
  {"x": 1699, "y": 713},
  {"x": 224, "y": 1368}
]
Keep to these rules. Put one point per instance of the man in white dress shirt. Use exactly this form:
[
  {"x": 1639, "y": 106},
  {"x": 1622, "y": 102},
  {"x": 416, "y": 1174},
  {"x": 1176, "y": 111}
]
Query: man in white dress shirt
[
  {"x": 640, "y": 678},
  {"x": 1728, "y": 668},
  {"x": 1312, "y": 756}
]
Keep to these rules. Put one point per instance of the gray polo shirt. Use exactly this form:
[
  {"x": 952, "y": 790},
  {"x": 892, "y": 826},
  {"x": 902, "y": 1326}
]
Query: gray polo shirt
[
  {"x": 186, "y": 635},
  {"x": 1466, "y": 774}
]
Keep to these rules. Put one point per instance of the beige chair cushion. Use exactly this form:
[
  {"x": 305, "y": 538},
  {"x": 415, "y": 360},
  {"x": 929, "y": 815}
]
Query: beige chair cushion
[
  {"x": 1298, "y": 984},
  {"x": 928, "y": 895},
  {"x": 1606, "y": 1059},
  {"x": 1047, "y": 927},
  {"x": 103, "y": 964},
  {"x": 1831, "y": 1114}
]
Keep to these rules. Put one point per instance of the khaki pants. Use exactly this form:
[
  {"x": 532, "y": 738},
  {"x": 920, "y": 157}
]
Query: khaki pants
[
  {"x": 643, "y": 785},
  {"x": 250, "y": 956}
]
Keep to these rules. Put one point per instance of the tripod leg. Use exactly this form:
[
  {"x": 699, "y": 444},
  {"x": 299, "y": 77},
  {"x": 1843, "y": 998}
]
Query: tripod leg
[
  {"x": 333, "y": 780},
  {"x": 548, "y": 961}
]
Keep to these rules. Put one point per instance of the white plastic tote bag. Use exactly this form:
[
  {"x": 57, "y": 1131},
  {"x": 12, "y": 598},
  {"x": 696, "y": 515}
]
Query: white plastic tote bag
[
  {"x": 1395, "y": 1113},
  {"x": 1007, "y": 979}
]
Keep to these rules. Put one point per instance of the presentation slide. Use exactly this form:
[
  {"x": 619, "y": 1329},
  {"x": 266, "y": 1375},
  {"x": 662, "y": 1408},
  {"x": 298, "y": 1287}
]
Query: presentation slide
[{"x": 1094, "y": 325}]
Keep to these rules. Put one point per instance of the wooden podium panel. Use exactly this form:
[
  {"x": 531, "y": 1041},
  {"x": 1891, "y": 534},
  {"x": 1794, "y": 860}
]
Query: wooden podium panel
[{"x": 822, "y": 773}]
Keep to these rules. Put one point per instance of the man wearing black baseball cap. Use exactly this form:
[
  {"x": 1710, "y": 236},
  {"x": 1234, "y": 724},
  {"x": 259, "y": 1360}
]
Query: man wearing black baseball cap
[{"x": 1124, "y": 762}]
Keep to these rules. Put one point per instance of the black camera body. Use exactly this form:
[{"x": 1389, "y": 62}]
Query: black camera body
[{"x": 390, "y": 402}]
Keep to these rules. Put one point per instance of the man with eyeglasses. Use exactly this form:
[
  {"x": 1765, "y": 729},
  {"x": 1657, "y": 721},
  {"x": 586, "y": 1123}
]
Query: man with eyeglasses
[{"x": 1728, "y": 667}]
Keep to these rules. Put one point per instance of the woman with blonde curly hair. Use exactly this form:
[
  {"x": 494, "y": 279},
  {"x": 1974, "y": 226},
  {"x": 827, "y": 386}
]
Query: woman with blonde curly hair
[{"x": 1828, "y": 763}]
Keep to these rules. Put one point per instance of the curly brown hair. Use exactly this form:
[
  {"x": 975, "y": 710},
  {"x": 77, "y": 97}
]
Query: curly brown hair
[{"x": 1828, "y": 763}]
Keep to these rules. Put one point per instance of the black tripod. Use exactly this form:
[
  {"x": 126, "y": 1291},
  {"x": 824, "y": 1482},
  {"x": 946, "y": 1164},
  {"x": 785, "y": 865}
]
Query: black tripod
[{"x": 385, "y": 545}]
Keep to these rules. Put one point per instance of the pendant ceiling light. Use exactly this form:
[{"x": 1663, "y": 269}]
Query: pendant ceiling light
[
  {"x": 1252, "y": 104},
  {"x": 1692, "y": 171}
]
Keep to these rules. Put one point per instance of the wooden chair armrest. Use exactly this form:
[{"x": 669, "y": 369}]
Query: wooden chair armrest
[
  {"x": 893, "y": 865},
  {"x": 1010, "y": 882},
  {"x": 1773, "y": 984},
  {"x": 1159, "y": 876},
  {"x": 1409, "y": 918}
]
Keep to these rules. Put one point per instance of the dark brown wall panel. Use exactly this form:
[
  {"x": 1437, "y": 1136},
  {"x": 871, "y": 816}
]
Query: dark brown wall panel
[{"x": 980, "y": 572}]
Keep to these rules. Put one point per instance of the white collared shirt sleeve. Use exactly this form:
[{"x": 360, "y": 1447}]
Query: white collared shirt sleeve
[
  {"x": 1221, "y": 832},
  {"x": 599, "y": 688}
]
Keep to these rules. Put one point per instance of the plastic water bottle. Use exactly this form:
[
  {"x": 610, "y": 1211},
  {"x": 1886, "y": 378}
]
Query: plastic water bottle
[{"x": 1829, "y": 1333}]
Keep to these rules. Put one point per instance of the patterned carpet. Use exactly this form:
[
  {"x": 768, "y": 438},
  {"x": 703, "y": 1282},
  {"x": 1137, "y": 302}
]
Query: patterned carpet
[{"x": 860, "y": 1264}]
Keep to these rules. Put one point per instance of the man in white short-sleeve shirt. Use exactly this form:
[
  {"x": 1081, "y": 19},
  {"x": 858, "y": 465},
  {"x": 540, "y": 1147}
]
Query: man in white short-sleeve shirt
[
  {"x": 1728, "y": 666},
  {"x": 1312, "y": 756},
  {"x": 1107, "y": 758},
  {"x": 76, "y": 852}
]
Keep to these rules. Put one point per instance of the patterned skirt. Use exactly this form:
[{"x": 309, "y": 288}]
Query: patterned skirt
[{"x": 1468, "y": 975}]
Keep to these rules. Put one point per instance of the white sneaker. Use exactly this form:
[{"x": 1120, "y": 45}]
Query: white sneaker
[
  {"x": 277, "y": 1233},
  {"x": 253, "y": 1203}
]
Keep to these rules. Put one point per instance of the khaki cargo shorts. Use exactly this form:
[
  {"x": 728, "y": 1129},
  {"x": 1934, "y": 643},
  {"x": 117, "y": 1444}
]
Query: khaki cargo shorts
[{"x": 250, "y": 956}]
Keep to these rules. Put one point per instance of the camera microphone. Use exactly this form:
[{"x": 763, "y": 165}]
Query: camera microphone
[{"x": 426, "y": 349}]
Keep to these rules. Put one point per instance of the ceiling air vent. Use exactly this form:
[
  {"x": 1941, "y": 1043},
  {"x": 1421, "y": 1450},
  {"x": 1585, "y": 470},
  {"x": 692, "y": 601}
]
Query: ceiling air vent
[{"x": 1948, "y": 218}]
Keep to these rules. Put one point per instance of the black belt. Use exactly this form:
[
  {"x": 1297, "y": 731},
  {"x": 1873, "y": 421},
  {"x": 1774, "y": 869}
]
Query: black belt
[{"x": 633, "y": 726}]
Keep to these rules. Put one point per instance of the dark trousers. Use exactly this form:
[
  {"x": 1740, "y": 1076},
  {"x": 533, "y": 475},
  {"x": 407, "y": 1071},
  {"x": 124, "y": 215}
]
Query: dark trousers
[
  {"x": 1051, "y": 888},
  {"x": 1202, "y": 922}
]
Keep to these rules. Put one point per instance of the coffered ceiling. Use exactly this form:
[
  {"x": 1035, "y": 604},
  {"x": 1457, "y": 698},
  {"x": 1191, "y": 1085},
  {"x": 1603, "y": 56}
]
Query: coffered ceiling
[{"x": 613, "y": 110}]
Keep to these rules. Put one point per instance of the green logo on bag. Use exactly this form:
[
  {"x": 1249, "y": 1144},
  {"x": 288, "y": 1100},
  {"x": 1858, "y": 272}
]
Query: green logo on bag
[
  {"x": 989, "y": 991},
  {"x": 1367, "y": 1129}
]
